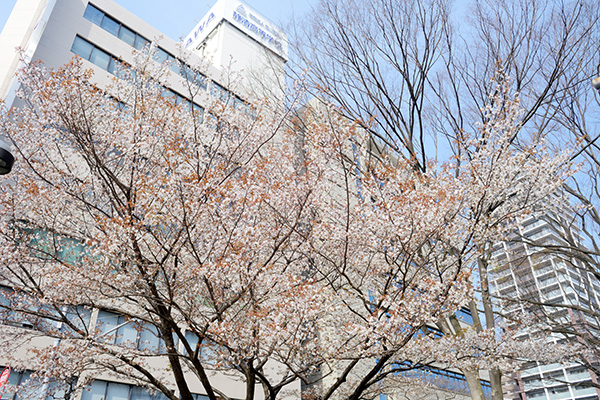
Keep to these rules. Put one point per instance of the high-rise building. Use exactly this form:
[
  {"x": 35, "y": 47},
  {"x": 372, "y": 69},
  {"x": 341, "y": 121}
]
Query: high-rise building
[{"x": 526, "y": 276}]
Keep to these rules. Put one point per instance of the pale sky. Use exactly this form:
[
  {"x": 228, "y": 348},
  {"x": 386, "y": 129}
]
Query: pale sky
[{"x": 176, "y": 18}]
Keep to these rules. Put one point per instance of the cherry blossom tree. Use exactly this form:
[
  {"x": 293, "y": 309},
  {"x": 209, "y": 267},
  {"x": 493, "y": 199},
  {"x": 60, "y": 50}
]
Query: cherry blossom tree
[
  {"x": 144, "y": 245},
  {"x": 417, "y": 75}
]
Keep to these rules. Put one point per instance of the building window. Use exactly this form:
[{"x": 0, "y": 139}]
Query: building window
[
  {"x": 126, "y": 331},
  {"x": 219, "y": 92},
  {"x": 78, "y": 316},
  {"x": 114, "y": 27},
  {"x": 464, "y": 314},
  {"x": 180, "y": 68},
  {"x": 95, "y": 55},
  {"x": 31, "y": 389},
  {"x": 100, "y": 390}
]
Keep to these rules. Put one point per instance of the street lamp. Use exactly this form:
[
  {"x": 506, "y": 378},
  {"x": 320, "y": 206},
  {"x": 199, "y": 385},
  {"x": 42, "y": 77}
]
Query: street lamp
[{"x": 6, "y": 158}]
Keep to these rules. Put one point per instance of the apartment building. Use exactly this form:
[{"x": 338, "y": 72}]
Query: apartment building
[{"x": 523, "y": 271}]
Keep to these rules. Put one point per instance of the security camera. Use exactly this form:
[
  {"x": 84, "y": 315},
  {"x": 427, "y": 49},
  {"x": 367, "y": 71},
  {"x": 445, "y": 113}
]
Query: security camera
[
  {"x": 596, "y": 83},
  {"x": 6, "y": 158}
]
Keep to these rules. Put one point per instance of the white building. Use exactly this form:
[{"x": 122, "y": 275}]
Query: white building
[
  {"x": 523, "y": 272},
  {"x": 104, "y": 34},
  {"x": 236, "y": 40}
]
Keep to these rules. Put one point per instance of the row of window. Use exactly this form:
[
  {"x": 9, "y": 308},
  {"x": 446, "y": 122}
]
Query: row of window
[
  {"x": 112, "y": 328},
  {"x": 106, "y": 61},
  {"x": 95, "y": 55},
  {"x": 120, "y": 330},
  {"x": 454, "y": 381},
  {"x": 137, "y": 41},
  {"x": 10, "y": 301},
  {"x": 132, "y": 38},
  {"x": 30, "y": 389},
  {"x": 114, "y": 27},
  {"x": 180, "y": 68},
  {"x": 103, "y": 390}
]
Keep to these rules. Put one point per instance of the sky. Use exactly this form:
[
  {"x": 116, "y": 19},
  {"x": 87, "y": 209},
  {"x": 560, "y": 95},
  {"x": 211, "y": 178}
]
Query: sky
[{"x": 176, "y": 18}]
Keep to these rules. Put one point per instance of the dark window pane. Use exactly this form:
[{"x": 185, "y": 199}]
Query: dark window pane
[
  {"x": 82, "y": 48},
  {"x": 140, "y": 42},
  {"x": 95, "y": 391},
  {"x": 219, "y": 92},
  {"x": 110, "y": 25},
  {"x": 107, "y": 325},
  {"x": 139, "y": 393},
  {"x": 127, "y": 35},
  {"x": 160, "y": 55},
  {"x": 175, "y": 67},
  {"x": 117, "y": 391},
  {"x": 114, "y": 67},
  {"x": 78, "y": 316},
  {"x": 200, "y": 80},
  {"x": 126, "y": 334},
  {"x": 93, "y": 14},
  {"x": 100, "y": 58},
  {"x": 198, "y": 113}
]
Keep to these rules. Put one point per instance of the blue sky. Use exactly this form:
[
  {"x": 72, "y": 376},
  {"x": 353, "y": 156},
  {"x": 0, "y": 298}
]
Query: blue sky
[{"x": 176, "y": 18}]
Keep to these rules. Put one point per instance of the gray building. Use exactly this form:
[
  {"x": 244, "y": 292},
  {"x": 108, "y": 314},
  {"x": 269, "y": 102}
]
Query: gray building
[{"x": 525, "y": 275}]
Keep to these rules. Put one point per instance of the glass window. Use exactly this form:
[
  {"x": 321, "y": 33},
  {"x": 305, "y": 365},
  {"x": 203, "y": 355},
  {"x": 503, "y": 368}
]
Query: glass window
[
  {"x": 140, "y": 42},
  {"x": 182, "y": 100},
  {"x": 58, "y": 391},
  {"x": 82, "y": 48},
  {"x": 95, "y": 391},
  {"x": 114, "y": 67},
  {"x": 126, "y": 333},
  {"x": 127, "y": 35},
  {"x": 192, "y": 339},
  {"x": 78, "y": 316},
  {"x": 100, "y": 58},
  {"x": 139, "y": 393},
  {"x": 107, "y": 325},
  {"x": 169, "y": 94},
  {"x": 175, "y": 66},
  {"x": 209, "y": 352},
  {"x": 160, "y": 55},
  {"x": 198, "y": 112},
  {"x": 149, "y": 339},
  {"x": 219, "y": 92},
  {"x": 7, "y": 315},
  {"x": 110, "y": 25},
  {"x": 117, "y": 391},
  {"x": 93, "y": 14},
  {"x": 102, "y": 390}
]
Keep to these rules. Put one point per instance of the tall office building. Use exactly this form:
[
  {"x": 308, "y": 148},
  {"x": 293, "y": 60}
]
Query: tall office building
[
  {"x": 230, "y": 41},
  {"x": 525, "y": 276}
]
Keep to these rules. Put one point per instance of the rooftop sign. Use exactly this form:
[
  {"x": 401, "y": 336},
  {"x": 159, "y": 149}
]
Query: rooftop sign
[{"x": 245, "y": 19}]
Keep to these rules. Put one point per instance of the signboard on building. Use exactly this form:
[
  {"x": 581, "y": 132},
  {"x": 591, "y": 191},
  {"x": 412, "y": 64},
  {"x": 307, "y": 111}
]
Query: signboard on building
[
  {"x": 246, "y": 20},
  {"x": 4, "y": 380}
]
